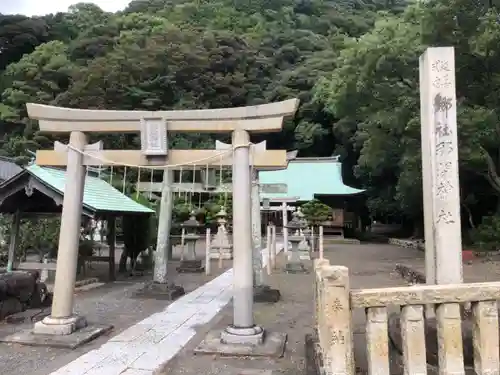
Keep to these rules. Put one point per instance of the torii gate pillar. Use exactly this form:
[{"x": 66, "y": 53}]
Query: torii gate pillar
[
  {"x": 243, "y": 324},
  {"x": 62, "y": 321}
]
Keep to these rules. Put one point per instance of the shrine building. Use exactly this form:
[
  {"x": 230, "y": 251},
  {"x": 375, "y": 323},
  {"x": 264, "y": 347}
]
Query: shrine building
[{"x": 307, "y": 179}]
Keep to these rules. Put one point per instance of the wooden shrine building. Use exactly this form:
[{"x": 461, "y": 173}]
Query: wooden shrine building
[
  {"x": 38, "y": 191},
  {"x": 314, "y": 178}
]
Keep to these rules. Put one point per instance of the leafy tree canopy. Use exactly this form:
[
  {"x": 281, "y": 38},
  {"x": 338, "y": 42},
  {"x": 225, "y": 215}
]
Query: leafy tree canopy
[{"x": 352, "y": 63}]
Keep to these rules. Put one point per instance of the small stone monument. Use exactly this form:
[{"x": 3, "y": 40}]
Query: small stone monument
[
  {"x": 191, "y": 264},
  {"x": 294, "y": 264},
  {"x": 305, "y": 232},
  {"x": 221, "y": 246}
]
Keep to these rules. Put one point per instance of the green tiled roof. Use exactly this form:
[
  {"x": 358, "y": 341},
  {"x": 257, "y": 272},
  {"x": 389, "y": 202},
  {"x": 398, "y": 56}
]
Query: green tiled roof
[
  {"x": 98, "y": 194},
  {"x": 307, "y": 177}
]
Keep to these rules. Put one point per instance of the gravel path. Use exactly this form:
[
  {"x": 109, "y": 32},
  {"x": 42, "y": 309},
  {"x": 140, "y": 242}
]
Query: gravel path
[
  {"x": 110, "y": 304},
  {"x": 370, "y": 266}
]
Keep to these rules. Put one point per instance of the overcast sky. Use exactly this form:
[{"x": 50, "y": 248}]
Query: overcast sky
[{"x": 41, "y": 7}]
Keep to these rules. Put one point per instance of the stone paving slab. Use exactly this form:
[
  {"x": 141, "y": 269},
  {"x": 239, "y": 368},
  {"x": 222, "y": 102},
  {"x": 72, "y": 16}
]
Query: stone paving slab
[{"x": 156, "y": 339}]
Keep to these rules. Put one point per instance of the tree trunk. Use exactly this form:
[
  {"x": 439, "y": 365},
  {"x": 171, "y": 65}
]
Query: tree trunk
[{"x": 469, "y": 216}]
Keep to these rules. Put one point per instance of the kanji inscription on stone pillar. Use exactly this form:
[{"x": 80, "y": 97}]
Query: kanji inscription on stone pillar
[{"x": 443, "y": 242}]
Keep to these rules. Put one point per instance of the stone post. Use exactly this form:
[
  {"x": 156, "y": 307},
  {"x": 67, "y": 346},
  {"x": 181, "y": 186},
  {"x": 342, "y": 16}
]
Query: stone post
[
  {"x": 284, "y": 207},
  {"x": 273, "y": 245},
  {"x": 161, "y": 286},
  {"x": 321, "y": 243},
  {"x": 262, "y": 292},
  {"x": 208, "y": 240},
  {"x": 269, "y": 246},
  {"x": 160, "y": 275},
  {"x": 44, "y": 272},
  {"x": 62, "y": 321},
  {"x": 243, "y": 330},
  {"x": 336, "y": 331},
  {"x": 443, "y": 242},
  {"x": 256, "y": 231}
]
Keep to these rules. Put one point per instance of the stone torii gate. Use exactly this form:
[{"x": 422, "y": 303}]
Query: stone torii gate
[{"x": 154, "y": 127}]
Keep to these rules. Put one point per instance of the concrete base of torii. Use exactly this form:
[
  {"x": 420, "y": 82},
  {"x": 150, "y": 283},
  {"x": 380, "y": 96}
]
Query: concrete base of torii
[
  {"x": 273, "y": 346},
  {"x": 68, "y": 334}
]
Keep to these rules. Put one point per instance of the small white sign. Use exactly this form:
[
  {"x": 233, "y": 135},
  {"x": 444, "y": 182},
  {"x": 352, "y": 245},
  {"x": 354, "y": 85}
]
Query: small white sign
[{"x": 274, "y": 188}]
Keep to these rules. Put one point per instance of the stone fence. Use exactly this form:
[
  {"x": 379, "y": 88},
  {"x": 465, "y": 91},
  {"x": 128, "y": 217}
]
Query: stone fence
[
  {"x": 429, "y": 331},
  {"x": 414, "y": 244}
]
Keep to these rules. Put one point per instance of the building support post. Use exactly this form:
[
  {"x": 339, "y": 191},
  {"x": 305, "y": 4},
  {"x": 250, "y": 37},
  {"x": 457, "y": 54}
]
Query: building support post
[{"x": 14, "y": 237}]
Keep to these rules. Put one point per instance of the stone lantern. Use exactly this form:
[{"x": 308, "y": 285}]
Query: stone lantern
[
  {"x": 301, "y": 218},
  {"x": 305, "y": 232},
  {"x": 221, "y": 245},
  {"x": 191, "y": 264},
  {"x": 294, "y": 264}
]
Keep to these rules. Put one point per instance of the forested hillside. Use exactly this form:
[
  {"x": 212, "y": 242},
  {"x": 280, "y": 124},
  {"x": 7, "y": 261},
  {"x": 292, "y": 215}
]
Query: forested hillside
[{"x": 352, "y": 63}]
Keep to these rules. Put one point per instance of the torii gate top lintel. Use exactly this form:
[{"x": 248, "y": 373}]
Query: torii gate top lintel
[{"x": 259, "y": 118}]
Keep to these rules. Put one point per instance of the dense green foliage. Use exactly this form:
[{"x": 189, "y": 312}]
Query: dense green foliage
[
  {"x": 316, "y": 212},
  {"x": 352, "y": 63}
]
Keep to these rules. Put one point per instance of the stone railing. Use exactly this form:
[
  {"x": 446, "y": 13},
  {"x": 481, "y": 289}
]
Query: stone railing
[
  {"x": 421, "y": 340},
  {"x": 413, "y": 244}
]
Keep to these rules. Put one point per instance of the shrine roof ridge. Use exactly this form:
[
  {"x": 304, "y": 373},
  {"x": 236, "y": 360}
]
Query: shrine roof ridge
[
  {"x": 319, "y": 159},
  {"x": 307, "y": 178}
]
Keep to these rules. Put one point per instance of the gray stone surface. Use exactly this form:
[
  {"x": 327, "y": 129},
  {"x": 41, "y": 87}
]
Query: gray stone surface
[
  {"x": 66, "y": 341},
  {"x": 168, "y": 292},
  {"x": 54, "y": 326},
  {"x": 191, "y": 266},
  {"x": 293, "y": 267},
  {"x": 266, "y": 294},
  {"x": 242, "y": 336},
  {"x": 110, "y": 304},
  {"x": 272, "y": 346},
  {"x": 370, "y": 266}
]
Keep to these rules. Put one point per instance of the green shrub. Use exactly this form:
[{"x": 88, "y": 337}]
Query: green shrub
[
  {"x": 487, "y": 235},
  {"x": 315, "y": 211}
]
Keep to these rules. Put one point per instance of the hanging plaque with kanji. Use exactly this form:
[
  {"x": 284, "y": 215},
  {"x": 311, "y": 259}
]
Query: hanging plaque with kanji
[{"x": 154, "y": 137}]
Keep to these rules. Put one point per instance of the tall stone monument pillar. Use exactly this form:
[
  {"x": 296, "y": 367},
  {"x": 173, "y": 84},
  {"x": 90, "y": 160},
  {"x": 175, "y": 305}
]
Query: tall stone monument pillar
[{"x": 443, "y": 240}]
